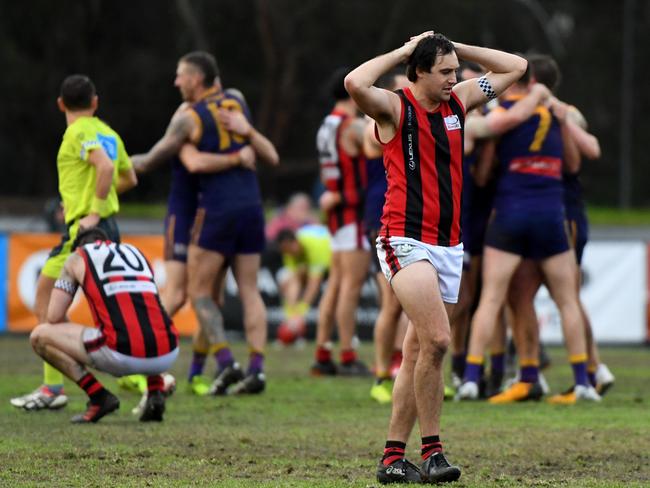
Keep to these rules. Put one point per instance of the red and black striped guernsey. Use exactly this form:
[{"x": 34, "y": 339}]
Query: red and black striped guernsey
[
  {"x": 124, "y": 302},
  {"x": 341, "y": 172},
  {"x": 424, "y": 170}
]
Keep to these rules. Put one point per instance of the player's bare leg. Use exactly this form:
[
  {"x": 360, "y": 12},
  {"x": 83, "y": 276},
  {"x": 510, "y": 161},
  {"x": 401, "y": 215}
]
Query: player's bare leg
[
  {"x": 61, "y": 345},
  {"x": 326, "y": 310},
  {"x": 498, "y": 268},
  {"x": 354, "y": 269}
]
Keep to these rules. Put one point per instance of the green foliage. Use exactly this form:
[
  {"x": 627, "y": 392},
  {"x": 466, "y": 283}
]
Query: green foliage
[{"x": 306, "y": 432}]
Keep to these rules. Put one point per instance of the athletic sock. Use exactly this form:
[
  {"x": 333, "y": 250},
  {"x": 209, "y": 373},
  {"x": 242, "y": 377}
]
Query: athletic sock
[
  {"x": 52, "y": 378},
  {"x": 529, "y": 371},
  {"x": 473, "y": 369},
  {"x": 497, "y": 365},
  {"x": 255, "y": 363},
  {"x": 197, "y": 364},
  {"x": 155, "y": 383},
  {"x": 591, "y": 375},
  {"x": 223, "y": 355},
  {"x": 393, "y": 451},
  {"x": 93, "y": 388},
  {"x": 458, "y": 364},
  {"x": 430, "y": 445},
  {"x": 348, "y": 356},
  {"x": 579, "y": 365},
  {"x": 323, "y": 354}
]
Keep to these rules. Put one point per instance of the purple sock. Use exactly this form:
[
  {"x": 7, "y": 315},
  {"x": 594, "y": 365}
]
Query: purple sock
[
  {"x": 497, "y": 364},
  {"x": 458, "y": 364},
  {"x": 592, "y": 378},
  {"x": 473, "y": 372},
  {"x": 224, "y": 358},
  {"x": 256, "y": 364},
  {"x": 529, "y": 374},
  {"x": 197, "y": 364},
  {"x": 580, "y": 373}
]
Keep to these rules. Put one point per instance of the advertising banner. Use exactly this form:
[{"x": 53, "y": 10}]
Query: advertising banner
[
  {"x": 614, "y": 293},
  {"x": 28, "y": 253},
  {"x": 3, "y": 282}
]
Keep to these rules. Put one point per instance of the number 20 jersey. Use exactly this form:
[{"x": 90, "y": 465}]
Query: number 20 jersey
[{"x": 124, "y": 302}]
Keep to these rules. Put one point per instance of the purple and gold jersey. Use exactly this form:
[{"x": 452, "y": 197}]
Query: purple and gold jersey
[
  {"x": 236, "y": 187},
  {"x": 531, "y": 163},
  {"x": 375, "y": 193}
]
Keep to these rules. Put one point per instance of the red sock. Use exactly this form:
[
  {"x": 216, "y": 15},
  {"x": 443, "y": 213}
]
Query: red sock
[
  {"x": 430, "y": 445},
  {"x": 394, "y": 451},
  {"x": 155, "y": 383},
  {"x": 323, "y": 354},
  {"x": 348, "y": 356}
]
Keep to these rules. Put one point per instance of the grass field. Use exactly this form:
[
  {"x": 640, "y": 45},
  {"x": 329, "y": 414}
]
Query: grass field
[{"x": 321, "y": 432}]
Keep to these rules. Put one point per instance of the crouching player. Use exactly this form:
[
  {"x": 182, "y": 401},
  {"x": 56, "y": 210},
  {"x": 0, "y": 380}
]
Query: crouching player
[{"x": 134, "y": 335}]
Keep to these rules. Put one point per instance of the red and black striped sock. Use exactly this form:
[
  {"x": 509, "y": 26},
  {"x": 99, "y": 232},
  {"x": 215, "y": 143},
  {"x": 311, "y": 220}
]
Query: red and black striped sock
[
  {"x": 155, "y": 383},
  {"x": 93, "y": 388},
  {"x": 393, "y": 451},
  {"x": 430, "y": 445}
]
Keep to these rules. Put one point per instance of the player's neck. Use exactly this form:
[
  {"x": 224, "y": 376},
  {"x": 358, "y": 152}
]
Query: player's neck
[
  {"x": 423, "y": 99},
  {"x": 71, "y": 117}
]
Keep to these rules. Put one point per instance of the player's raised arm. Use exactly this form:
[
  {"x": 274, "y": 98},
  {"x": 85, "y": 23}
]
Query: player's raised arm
[
  {"x": 382, "y": 105},
  {"x": 587, "y": 143},
  {"x": 178, "y": 132},
  {"x": 503, "y": 70},
  {"x": 65, "y": 288}
]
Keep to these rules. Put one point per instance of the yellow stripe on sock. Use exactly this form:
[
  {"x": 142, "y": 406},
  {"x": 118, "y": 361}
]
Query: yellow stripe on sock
[
  {"x": 474, "y": 360},
  {"x": 499, "y": 352},
  {"x": 592, "y": 369},
  {"x": 578, "y": 358},
  {"x": 51, "y": 375},
  {"x": 215, "y": 348},
  {"x": 252, "y": 350},
  {"x": 525, "y": 363}
]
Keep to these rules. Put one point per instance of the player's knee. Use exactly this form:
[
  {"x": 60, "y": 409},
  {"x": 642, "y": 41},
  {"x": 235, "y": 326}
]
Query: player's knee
[
  {"x": 438, "y": 345},
  {"x": 37, "y": 338}
]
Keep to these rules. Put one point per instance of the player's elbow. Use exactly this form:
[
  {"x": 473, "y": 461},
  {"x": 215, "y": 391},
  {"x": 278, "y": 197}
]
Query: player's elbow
[
  {"x": 352, "y": 84},
  {"x": 520, "y": 66}
]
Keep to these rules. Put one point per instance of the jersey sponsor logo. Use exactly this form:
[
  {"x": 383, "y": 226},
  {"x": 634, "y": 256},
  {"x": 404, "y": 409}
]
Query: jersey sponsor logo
[
  {"x": 115, "y": 287},
  {"x": 409, "y": 137},
  {"x": 452, "y": 122},
  {"x": 109, "y": 143},
  {"x": 537, "y": 165}
]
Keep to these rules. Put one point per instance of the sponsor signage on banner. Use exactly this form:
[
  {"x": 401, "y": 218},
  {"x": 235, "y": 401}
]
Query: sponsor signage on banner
[
  {"x": 614, "y": 293},
  {"x": 3, "y": 282},
  {"x": 27, "y": 255}
]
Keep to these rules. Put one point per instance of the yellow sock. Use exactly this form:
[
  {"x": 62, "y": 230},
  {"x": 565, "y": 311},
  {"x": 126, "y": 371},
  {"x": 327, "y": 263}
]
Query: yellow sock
[{"x": 51, "y": 375}]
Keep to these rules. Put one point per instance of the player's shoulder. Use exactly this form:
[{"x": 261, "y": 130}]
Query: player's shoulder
[{"x": 235, "y": 93}]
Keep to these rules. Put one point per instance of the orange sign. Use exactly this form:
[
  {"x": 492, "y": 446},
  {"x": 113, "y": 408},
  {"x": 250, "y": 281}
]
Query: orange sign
[{"x": 27, "y": 255}]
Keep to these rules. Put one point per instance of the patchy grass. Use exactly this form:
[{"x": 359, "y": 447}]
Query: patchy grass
[{"x": 306, "y": 432}]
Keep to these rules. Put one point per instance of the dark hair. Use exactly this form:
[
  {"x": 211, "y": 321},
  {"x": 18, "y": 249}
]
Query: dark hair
[
  {"x": 336, "y": 84},
  {"x": 387, "y": 80},
  {"x": 545, "y": 70},
  {"x": 88, "y": 236},
  {"x": 285, "y": 235},
  {"x": 77, "y": 92},
  {"x": 425, "y": 53},
  {"x": 205, "y": 63}
]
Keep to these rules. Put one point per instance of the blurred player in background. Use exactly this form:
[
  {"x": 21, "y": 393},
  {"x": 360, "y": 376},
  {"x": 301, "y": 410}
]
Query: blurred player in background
[
  {"x": 93, "y": 168},
  {"x": 419, "y": 247},
  {"x": 132, "y": 332},
  {"x": 229, "y": 222},
  {"x": 340, "y": 151},
  {"x": 297, "y": 212}
]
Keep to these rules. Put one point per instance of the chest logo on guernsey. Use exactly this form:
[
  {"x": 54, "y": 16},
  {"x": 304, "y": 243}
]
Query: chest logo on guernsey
[
  {"x": 409, "y": 137},
  {"x": 452, "y": 122}
]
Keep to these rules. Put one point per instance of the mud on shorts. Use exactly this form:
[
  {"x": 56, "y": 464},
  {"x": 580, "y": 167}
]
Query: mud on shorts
[
  {"x": 58, "y": 255},
  {"x": 105, "y": 359},
  {"x": 395, "y": 253}
]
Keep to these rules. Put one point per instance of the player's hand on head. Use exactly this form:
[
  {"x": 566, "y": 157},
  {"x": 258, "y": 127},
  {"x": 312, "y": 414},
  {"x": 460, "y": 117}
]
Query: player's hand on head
[
  {"x": 89, "y": 221},
  {"x": 235, "y": 121},
  {"x": 410, "y": 45},
  {"x": 247, "y": 158}
]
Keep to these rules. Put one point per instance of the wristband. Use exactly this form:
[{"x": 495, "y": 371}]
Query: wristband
[
  {"x": 99, "y": 206},
  {"x": 66, "y": 286}
]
